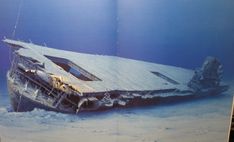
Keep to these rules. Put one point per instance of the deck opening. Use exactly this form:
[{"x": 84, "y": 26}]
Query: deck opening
[
  {"x": 73, "y": 69},
  {"x": 158, "y": 74}
]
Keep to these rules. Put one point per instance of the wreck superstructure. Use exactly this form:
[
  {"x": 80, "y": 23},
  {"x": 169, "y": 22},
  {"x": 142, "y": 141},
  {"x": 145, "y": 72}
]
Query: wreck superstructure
[{"x": 69, "y": 82}]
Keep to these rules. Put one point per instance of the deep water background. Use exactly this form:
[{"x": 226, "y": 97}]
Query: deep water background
[
  {"x": 179, "y": 32},
  {"x": 173, "y": 32}
]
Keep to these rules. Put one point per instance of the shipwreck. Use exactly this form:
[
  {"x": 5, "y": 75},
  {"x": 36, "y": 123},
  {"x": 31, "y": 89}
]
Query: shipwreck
[{"x": 69, "y": 82}]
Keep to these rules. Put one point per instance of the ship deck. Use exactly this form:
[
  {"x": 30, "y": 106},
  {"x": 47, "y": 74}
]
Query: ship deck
[{"x": 101, "y": 73}]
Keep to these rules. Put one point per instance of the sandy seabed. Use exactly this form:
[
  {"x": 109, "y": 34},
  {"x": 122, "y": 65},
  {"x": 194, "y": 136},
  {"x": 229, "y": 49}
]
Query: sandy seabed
[{"x": 201, "y": 120}]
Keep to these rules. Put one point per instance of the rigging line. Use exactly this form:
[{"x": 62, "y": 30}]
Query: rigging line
[
  {"x": 17, "y": 18},
  {"x": 15, "y": 26}
]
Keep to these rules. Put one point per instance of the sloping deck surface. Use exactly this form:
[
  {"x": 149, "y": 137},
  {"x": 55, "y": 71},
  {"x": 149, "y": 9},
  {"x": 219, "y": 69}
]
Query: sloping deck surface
[{"x": 113, "y": 73}]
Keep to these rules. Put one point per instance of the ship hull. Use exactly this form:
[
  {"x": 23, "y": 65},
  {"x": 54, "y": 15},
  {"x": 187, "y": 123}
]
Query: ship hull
[
  {"x": 21, "y": 103},
  {"x": 71, "y": 82}
]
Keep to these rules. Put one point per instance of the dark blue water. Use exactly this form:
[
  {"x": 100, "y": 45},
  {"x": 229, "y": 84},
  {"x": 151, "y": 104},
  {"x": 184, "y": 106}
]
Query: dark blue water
[{"x": 178, "y": 32}]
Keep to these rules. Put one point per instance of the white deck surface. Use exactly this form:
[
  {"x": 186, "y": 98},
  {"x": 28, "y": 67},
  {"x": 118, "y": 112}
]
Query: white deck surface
[{"x": 116, "y": 73}]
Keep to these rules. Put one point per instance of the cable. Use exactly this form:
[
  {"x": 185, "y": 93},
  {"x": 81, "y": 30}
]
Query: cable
[
  {"x": 15, "y": 27},
  {"x": 17, "y": 19}
]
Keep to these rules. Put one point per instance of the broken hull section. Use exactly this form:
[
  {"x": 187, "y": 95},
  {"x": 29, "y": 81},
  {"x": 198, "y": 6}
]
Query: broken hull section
[
  {"x": 22, "y": 100},
  {"x": 72, "y": 85}
]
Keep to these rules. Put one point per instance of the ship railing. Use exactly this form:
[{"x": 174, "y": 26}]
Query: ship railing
[{"x": 41, "y": 85}]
